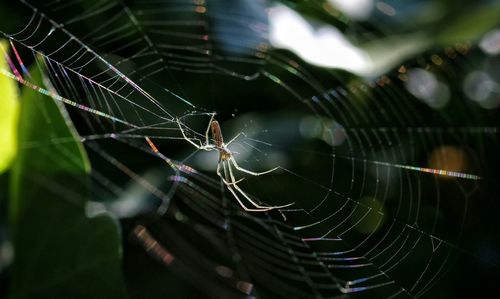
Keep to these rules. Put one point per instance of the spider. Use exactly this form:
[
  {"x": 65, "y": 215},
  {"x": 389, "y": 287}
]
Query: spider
[{"x": 227, "y": 161}]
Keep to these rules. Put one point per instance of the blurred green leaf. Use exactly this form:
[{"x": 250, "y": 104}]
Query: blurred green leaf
[
  {"x": 59, "y": 252},
  {"x": 9, "y": 114},
  {"x": 387, "y": 53},
  {"x": 468, "y": 25}
]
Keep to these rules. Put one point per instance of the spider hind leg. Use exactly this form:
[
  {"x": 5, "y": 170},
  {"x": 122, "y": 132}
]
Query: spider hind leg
[{"x": 232, "y": 185}]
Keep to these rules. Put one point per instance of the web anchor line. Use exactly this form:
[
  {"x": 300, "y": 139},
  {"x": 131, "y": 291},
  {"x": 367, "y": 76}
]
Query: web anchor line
[{"x": 59, "y": 98}]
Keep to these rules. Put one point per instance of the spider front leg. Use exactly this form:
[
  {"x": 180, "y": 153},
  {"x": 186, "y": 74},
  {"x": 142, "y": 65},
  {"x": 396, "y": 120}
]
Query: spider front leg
[
  {"x": 235, "y": 137},
  {"x": 207, "y": 139},
  {"x": 207, "y": 146}
]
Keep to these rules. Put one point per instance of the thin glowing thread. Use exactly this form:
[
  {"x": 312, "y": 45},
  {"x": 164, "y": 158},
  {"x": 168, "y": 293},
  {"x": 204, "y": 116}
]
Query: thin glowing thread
[
  {"x": 162, "y": 156},
  {"x": 19, "y": 60},
  {"x": 416, "y": 168},
  {"x": 432, "y": 170},
  {"x": 100, "y": 58},
  {"x": 179, "y": 97},
  {"x": 59, "y": 98},
  {"x": 17, "y": 75}
]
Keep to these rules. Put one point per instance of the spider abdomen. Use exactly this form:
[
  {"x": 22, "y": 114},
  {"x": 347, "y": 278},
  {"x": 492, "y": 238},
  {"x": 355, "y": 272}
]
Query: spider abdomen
[{"x": 217, "y": 134}]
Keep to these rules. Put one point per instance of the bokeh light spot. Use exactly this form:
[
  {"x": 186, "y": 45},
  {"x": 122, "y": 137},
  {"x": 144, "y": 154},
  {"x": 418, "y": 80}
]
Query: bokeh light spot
[
  {"x": 448, "y": 158},
  {"x": 369, "y": 215}
]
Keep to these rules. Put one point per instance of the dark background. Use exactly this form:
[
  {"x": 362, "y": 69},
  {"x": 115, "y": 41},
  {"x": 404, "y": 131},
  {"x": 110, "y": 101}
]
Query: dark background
[{"x": 220, "y": 63}]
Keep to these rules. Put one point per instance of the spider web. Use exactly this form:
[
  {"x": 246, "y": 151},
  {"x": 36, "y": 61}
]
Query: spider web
[{"x": 378, "y": 210}]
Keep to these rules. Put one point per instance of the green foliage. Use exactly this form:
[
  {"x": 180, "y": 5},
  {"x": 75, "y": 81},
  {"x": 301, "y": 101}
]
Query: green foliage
[
  {"x": 59, "y": 252},
  {"x": 9, "y": 114},
  {"x": 468, "y": 25}
]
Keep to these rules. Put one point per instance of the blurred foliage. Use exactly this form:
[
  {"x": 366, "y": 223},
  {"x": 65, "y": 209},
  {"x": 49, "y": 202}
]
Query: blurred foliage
[
  {"x": 59, "y": 251},
  {"x": 409, "y": 32},
  {"x": 467, "y": 24},
  {"x": 9, "y": 114}
]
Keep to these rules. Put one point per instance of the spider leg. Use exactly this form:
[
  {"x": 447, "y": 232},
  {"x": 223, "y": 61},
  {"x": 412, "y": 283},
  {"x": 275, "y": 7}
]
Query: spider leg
[
  {"x": 201, "y": 146},
  {"x": 222, "y": 177},
  {"x": 248, "y": 197},
  {"x": 243, "y": 206},
  {"x": 230, "y": 188},
  {"x": 207, "y": 139},
  {"x": 198, "y": 146},
  {"x": 235, "y": 137},
  {"x": 248, "y": 171}
]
